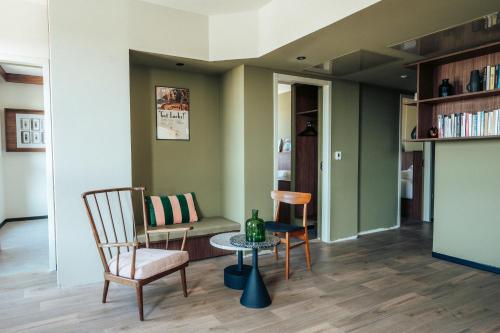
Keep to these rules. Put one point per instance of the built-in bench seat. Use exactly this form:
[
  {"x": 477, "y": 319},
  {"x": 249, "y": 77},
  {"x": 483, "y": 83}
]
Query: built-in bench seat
[{"x": 198, "y": 242}]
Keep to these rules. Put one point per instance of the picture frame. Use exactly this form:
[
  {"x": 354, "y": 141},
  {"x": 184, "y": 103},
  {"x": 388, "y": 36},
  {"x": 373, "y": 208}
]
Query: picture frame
[
  {"x": 172, "y": 108},
  {"x": 24, "y": 130}
]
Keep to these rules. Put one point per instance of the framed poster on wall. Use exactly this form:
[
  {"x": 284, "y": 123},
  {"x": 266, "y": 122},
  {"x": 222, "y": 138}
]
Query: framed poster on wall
[
  {"x": 24, "y": 130},
  {"x": 172, "y": 113}
]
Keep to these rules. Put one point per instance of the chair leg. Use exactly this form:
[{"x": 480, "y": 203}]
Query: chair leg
[
  {"x": 138, "y": 293},
  {"x": 183, "y": 280},
  {"x": 105, "y": 291},
  {"x": 287, "y": 256},
  {"x": 275, "y": 250},
  {"x": 308, "y": 252}
]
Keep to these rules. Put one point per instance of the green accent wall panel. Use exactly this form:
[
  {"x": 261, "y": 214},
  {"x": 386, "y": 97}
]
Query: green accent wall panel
[
  {"x": 378, "y": 157},
  {"x": 344, "y": 179},
  {"x": 233, "y": 144},
  {"x": 466, "y": 206},
  {"x": 170, "y": 166},
  {"x": 259, "y": 126}
]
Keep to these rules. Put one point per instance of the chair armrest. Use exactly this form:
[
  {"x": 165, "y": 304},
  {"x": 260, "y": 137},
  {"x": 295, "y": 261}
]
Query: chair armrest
[
  {"x": 124, "y": 244},
  {"x": 168, "y": 230}
]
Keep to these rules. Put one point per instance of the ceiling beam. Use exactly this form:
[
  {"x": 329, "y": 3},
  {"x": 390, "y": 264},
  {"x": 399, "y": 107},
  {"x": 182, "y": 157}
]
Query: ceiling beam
[{"x": 21, "y": 78}]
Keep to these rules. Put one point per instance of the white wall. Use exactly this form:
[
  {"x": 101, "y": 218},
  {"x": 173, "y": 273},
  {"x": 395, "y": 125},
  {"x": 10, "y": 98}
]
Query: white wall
[
  {"x": 241, "y": 40},
  {"x": 163, "y": 30},
  {"x": 24, "y": 175},
  {"x": 23, "y": 29},
  {"x": 91, "y": 121}
]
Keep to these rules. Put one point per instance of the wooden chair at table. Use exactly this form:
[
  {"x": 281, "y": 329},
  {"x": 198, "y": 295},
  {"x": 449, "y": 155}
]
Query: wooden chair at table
[
  {"x": 286, "y": 231},
  {"x": 136, "y": 266}
]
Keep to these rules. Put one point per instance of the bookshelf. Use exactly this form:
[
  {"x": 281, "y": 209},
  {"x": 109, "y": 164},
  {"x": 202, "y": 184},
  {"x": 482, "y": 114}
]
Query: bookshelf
[{"x": 456, "y": 67}]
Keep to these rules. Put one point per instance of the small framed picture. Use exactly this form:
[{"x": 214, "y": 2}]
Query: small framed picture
[
  {"x": 24, "y": 130},
  {"x": 25, "y": 124},
  {"x": 35, "y": 124},
  {"x": 25, "y": 137},
  {"x": 37, "y": 137}
]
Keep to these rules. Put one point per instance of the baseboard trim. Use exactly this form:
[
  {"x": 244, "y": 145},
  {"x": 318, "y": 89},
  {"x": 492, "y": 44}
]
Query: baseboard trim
[
  {"x": 367, "y": 232},
  {"x": 341, "y": 239},
  {"x": 17, "y": 219},
  {"x": 466, "y": 262}
]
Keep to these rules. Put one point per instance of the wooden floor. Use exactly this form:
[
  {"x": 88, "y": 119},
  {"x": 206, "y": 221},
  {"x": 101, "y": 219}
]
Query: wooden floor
[
  {"x": 22, "y": 254},
  {"x": 383, "y": 282}
]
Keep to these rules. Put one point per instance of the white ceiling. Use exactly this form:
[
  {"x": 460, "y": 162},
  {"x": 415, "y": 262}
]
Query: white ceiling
[
  {"x": 25, "y": 70},
  {"x": 212, "y": 7}
]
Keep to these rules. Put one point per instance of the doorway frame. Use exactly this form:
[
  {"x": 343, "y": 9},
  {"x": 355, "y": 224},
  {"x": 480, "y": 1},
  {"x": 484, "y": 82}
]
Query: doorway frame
[
  {"x": 49, "y": 152},
  {"x": 326, "y": 153},
  {"x": 427, "y": 171}
]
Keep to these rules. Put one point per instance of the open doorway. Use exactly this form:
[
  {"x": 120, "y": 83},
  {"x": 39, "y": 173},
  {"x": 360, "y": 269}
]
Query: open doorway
[
  {"x": 301, "y": 127},
  {"x": 416, "y": 169},
  {"x": 25, "y": 241}
]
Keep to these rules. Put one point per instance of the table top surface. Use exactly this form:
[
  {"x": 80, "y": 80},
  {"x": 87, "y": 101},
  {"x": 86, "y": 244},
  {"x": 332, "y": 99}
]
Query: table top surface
[
  {"x": 221, "y": 241},
  {"x": 240, "y": 241}
]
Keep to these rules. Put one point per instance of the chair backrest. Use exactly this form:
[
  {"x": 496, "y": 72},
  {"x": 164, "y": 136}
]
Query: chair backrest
[
  {"x": 292, "y": 198},
  {"x": 111, "y": 216}
]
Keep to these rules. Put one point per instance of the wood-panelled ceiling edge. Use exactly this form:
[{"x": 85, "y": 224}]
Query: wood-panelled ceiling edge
[{"x": 20, "y": 78}]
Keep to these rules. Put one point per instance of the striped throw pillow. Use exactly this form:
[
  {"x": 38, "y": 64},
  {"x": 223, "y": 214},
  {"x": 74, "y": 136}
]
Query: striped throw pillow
[{"x": 172, "y": 209}]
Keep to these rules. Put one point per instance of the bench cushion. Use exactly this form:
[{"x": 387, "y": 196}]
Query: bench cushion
[{"x": 206, "y": 226}]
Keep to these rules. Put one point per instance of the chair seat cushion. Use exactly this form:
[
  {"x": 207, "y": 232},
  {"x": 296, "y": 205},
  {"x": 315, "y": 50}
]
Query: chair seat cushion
[
  {"x": 206, "y": 226},
  {"x": 281, "y": 227},
  {"x": 148, "y": 262}
]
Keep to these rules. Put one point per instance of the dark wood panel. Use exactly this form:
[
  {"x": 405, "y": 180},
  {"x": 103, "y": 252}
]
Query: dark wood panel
[
  {"x": 460, "y": 55},
  {"x": 285, "y": 213},
  {"x": 198, "y": 247},
  {"x": 306, "y": 147},
  {"x": 456, "y": 67},
  {"x": 26, "y": 79},
  {"x": 10, "y": 130},
  {"x": 417, "y": 185}
]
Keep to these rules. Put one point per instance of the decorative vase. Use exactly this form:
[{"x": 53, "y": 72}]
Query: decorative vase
[
  {"x": 254, "y": 228},
  {"x": 413, "y": 134},
  {"x": 474, "y": 82},
  {"x": 445, "y": 89},
  {"x": 433, "y": 132}
]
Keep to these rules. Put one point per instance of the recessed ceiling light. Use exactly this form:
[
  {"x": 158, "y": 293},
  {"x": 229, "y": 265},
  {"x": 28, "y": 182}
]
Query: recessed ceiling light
[
  {"x": 404, "y": 76},
  {"x": 180, "y": 64},
  {"x": 301, "y": 58}
]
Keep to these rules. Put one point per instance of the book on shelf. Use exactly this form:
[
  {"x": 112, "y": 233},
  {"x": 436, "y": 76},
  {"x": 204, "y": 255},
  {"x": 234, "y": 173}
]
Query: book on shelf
[
  {"x": 469, "y": 124},
  {"x": 491, "y": 77}
]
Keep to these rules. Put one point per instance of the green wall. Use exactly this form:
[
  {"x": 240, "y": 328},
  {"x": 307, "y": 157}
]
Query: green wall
[
  {"x": 378, "y": 157},
  {"x": 232, "y": 144},
  {"x": 344, "y": 178},
  {"x": 229, "y": 160},
  {"x": 168, "y": 166},
  {"x": 259, "y": 126},
  {"x": 466, "y": 209}
]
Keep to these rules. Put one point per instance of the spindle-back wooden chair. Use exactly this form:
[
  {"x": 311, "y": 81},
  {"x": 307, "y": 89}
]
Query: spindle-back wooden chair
[
  {"x": 286, "y": 231},
  {"x": 113, "y": 229}
]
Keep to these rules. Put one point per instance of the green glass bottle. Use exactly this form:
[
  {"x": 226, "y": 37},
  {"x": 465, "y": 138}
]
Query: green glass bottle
[{"x": 254, "y": 228}]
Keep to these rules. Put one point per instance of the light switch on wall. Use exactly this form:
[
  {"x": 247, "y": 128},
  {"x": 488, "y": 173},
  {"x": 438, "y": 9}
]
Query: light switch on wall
[{"x": 338, "y": 155}]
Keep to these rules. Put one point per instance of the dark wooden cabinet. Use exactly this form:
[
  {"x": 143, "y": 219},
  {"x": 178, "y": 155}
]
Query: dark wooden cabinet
[{"x": 305, "y": 101}]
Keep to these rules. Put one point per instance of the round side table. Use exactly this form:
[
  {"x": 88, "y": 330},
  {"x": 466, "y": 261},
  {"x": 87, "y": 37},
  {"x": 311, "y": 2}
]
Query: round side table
[
  {"x": 235, "y": 276},
  {"x": 255, "y": 294}
]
